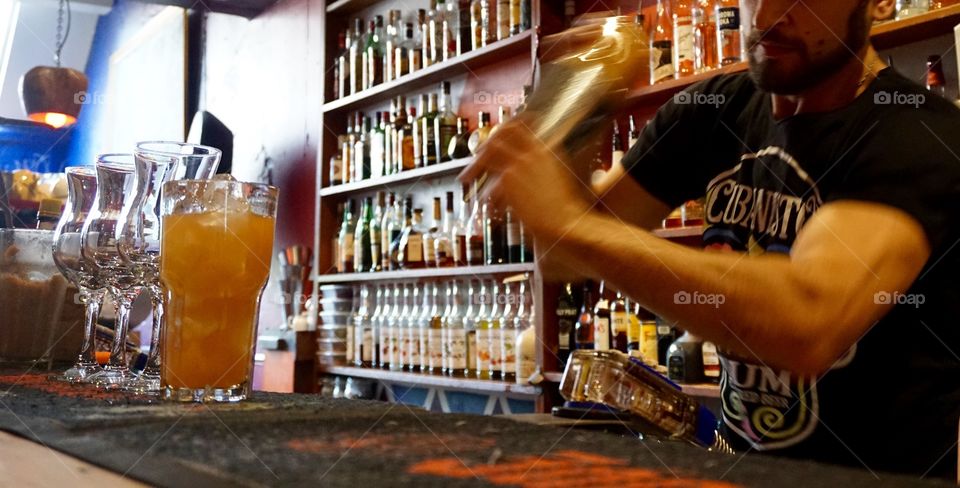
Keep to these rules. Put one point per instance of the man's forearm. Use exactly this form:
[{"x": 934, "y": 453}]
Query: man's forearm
[{"x": 757, "y": 306}]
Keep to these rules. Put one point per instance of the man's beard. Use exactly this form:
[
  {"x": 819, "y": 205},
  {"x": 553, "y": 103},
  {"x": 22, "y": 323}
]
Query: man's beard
[{"x": 770, "y": 77}]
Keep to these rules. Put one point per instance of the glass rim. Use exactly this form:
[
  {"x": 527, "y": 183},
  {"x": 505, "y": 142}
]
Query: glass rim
[
  {"x": 85, "y": 170},
  {"x": 110, "y": 161},
  {"x": 212, "y": 151},
  {"x": 170, "y": 185}
]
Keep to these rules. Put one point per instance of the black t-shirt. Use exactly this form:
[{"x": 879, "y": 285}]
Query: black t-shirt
[{"x": 892, "y": 402}]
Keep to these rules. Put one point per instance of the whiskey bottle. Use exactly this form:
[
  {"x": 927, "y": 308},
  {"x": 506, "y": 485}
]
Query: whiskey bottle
[
  {"x": 451, "y": 29},
  {"x": 487, "y": 298},
  {"x": 345, "y": 240},
  {"x": 465, "y": 34},
  {"x": 410, "y": 254},
  {"x": 391, "y": 40},
  {"x": 584, "y": 328},
  {"x": 516, "y": 24},
  {"x": 430, "y": 236},
  {"x": 437, "y": 47},
  {"x": 459, "y": 146},
  {"x": 728, "y": 31},
  {"x": 442, "y": 239},
  {"x": 503, "y": 19},
  {"x": 704, "y": 36},
  {"x": 488, "y": 22},
  {"x": 661, "y": 56},
  {"x": 682, "y": 38},
  {"x": 477, "y": 36},
  {"x": 619, "y": 323},
  {"x": 648, "y": 336},
  {"x": 444, "y": 124},
  {"x": 408, "y": 141},
  {"x": 517, "y": 248},
  {"x": 346, "y": 150},
  {"x": 362, "y": 258},
  {"x": 475, "y": 232},
  {"x": 480, "y": 135}
]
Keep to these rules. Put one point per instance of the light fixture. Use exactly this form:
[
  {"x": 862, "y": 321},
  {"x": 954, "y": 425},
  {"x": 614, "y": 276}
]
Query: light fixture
[{"x": 53, "y": 95}]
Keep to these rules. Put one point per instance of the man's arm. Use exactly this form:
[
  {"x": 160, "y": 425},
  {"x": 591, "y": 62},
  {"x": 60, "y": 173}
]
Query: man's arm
[
  {"x": 622, "y": 197},
  {"x": 799, "y": 312}
]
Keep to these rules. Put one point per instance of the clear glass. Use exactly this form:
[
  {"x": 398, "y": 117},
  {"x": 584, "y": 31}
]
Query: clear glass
[
  {"x": 115, "y": 189},
  {"x": 192, "y": 161},
  {"x": 138, "y": 240},
  {"x": 217, "y": 241},
  {"x": 81, "y": 193}
]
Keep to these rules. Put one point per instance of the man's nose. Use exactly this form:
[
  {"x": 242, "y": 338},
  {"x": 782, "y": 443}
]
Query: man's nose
[{"x": 765, "y": 14}]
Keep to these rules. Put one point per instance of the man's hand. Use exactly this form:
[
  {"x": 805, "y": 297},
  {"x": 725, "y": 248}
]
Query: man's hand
[{"x": 536, "y": 181}]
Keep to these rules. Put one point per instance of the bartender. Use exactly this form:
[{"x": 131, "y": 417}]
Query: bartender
[{"x": 832, "y": 190}]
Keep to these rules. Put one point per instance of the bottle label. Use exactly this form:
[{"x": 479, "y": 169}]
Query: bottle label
[
  {"x": 663, "y": 330},
  {"x": 513, "y": 233},
  {"x": 429, "y": 251},
  {"x": 414, "y": 347},
  {"x": 663, "y": 65},
  {"x": 728, "y": 18},
  {"x": 675, "y": 368},
  {"x": 423, "y": 334},
  {"x": 436, "y": 348},
  {"x": 711, "y": 362},
  {"x": 508, "y": 351},
  {"x": 443, "y": 253},
  {"x": 403, "y": 346},
  {"x": 385, "y": 345},
  {"x": 471, "y": 349},
  {"x": 366, "y": 346},
  {"x": 414, "y": 248},
  {"x": 445, "y": 340},
  {"x": 483, "y": 349},
  {"x": 392, "y": 346},
  {"x": 619, "y": 322},
  {"x": 458, "y": 349},
  {"x": 475, "y": 250},
  {"x": 683, "y": 33},
  {"x": 648, "y": 341},
  {"x": 601, "y": 333},
  {"x": 351, "y": 343},
  {"x": 495, "y": 350},
  {"x": 564, "y": 340}
]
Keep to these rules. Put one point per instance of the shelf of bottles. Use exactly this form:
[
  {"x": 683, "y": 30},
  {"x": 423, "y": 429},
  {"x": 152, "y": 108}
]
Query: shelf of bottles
[
  {"x": 415, "y": 49},
  {"x": 473, "y": 333}
]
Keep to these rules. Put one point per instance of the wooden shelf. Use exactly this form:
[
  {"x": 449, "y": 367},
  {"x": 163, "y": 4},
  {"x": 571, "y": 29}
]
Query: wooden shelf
[
  {"x": 465, "y": 63},
  {"x": 679, "y": 232},
  {"x": 411, "y": 274},
  {"x": 428, "y": 380},
  {"x": 917, "y": 28},
  {"x": 405, "y": 177},
  {"x": 347, "y": 7},
  {"x": 667, "y": 88}
]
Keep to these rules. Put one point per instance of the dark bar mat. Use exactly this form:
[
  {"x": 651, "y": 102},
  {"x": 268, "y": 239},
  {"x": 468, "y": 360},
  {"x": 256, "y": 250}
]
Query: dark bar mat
[{"x": 305, "y": 440}]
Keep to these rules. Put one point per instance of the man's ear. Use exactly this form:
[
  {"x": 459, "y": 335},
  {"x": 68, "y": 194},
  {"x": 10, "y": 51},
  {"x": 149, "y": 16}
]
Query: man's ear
[{"x": 882, "y": 9}]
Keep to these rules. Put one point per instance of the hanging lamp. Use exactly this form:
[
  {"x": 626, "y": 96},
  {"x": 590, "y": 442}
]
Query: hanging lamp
[{"x": 53, "y": 95}]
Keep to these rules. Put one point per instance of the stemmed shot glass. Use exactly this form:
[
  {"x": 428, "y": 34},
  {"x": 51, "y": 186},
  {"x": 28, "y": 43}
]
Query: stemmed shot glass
[
  {"x": 138, "y": 240},
  {"x": 81, "y": 192},
  {"x": 115, "y": 186}
]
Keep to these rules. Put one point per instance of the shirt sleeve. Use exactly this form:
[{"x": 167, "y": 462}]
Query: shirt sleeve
[{"x": 690, "y": 140}]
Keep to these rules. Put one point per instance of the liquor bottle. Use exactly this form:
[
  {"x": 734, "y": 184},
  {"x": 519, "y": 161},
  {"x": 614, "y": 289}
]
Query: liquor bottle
[
  {"x": 602, "y": 336},
  {"x": 456, "y": 340},
  {"x": 459, "y": 146},
  {"x": 406, "y": 55},
  {"x": 412, "y": 329},
  {"x": 410, "y": 251},
  {"x": 427, "y": 308},
  {"x": 524, "y": 352},
  {"x": 395, "y": 230},
  {"x": 661, "y": 56},
  {"x": 634, "y": 135},
  {"x": 728, "y": 31},
  {"x": 704, "y": 36},
  {"x": 443, "y": 238},
  {"x": 403, "y": 335},
  {"x": 416, "y": 123},
  {"x": 346, "y": 150},
  {"x": 426, "y": 42},
  {"x": 435, "y": 30},
  {"x": 361, "y": 328},
  {"x": 336, "y": 166},
  {"x": 505, "y": 334},
  {"x": 390, "y": 140},
  {"x": 465, "y": 29},
  {"x": 444, "y": 124},
  {"x": 480, "y": 135},
  {"x": 584, "y": 327},
  {"x": 362, "y": 259},
  {"x": 569, "y": 12},
  {"x": 435, "y": 338},
  {"x": 408, "y": 141},
  {"x": 428, "y": 132},
  {"x": 500, "y": 305},
  {"x": 517, "y": 248},
  {"x": 339, "y": 74},
  {"x": 503, "y": 116},
  {"x": 503, "y": 19},
  {"x": 430, "y": 236},
  {"x": 384, "y": 326},
  {"x": 619, "y": 323},
  {"x": 566, "y": 314},
  {"x": 487, "y": 298},
  {"x": 361, "y": 152},
  {"x": 648, "y": 336},
  {"x": 384, "y": 231},
  {"x": 378, "y": 145},
  {"x": 470, "y": 328},
  {"x": 477, "y": 37},
  {"x": 375, "y": 49},
  {"x": 494, "y": 235},
  {"x": 475, "y": 232},
  {"x": 936, "y": 82},
  {"x": 451, "y": 29},
  {"x": 666, "y": 334},
  {"x": 392, "y": 38},
  {"x": 682, "y": 38},
  {"x": 516, "y": 23},
  {"x": 711, "y": 362},
  {"x": 345, "y": 240},
  {"x": 488, "y": 22},
  {"x": 685, "y": 359},
  {"x": 356, "y": 57},
  {"x": 458, "y": 234},
  {"x": 393, "y": 329},
  {"x": 617, "y": 145},
  {"x": 375, "y": 320}
]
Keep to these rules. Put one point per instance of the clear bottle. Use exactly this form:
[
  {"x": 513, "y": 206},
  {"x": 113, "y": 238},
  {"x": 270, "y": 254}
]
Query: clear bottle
[
  {"x": 411, "y": 326},
  {"x": 503, "y": 116},
  {"x": 442, "y": 238},
  {"x": 486, "y": 338},
  {"x": 619, "y": 323},
  {"x": 444, "y": 124},
  {"x": 391, "y": 42},
  {"x": 386, "y": 233},
  {"x": 435, "y": 338},
  {"x": 362, "y": 258},
  {"x": 455, "y": 335},
  {"x": 383, "y": 325},
  {"x": 427, "y": 307},
  {"x": 480, "y": 135},
  {"x": 430, "y": 236},
  {"x": 376, "y": 234},
  {"x": 661, "y": 56},
  {"x": 682, "y": 38},
  {"x": 403, "y": 334},
  {"x": 525, "y": 351},
  {"x": 346, "y": 150},
  {"x": 459, "y": 145},
  {"x": 584, "y": 328},
  {"x": 728, "y": 32},
  {"x": 494, "y": 234},
  {"x": 488, "y": 21},
  {"x": 503, "y": 19},
  {"x": 393, "y": 328},
  {"x": 477, "y": 36},
  {"x": 426, "y": 39},
  {"x": 451, "y": 30},
  {"x": 704, "y": 36},
  {"x": 475, "y": 232},
  {"x": 356, "y": 58},
  {"x": 371, "y": 336},
  {"x": 407, "y": 54},
  {"x": 419, "y": 156},
  {"x": 389, "y": 140},
  {"x": 345, "y": 240},
  {"x": 378, "y": 145},
  {"x": 501, "y": 334},
  {"x": 470, "y": 320},
  {"x": 458, "y": 234},
  {"x": 361, "y": 151},
  {"x": 375, "y": 53},
  {"x": 602, "y": 338},
  {"x": 428, "y": 132},
  {"x": 437, "y": 46},
  {"x": 361, "y": 329}
]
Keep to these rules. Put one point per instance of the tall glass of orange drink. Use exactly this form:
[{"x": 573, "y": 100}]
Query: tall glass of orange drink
[{"x": 216, "y": 246}]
